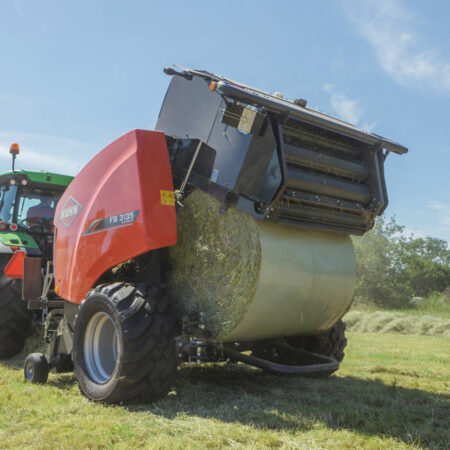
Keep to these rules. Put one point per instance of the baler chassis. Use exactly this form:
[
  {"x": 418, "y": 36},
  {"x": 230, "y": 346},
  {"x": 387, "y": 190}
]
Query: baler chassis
[{"x": 192, "y": 347}]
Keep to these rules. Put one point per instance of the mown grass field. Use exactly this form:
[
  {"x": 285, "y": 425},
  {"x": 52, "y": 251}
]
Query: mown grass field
[{"x": 392, "y": 391}]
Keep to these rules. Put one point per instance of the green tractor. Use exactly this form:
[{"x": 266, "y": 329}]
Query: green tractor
[{"x": 27, "y": 203}]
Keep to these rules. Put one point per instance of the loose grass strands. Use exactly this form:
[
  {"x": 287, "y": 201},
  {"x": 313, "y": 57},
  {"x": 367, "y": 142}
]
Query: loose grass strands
[
  {"x": 33, "y": 343},
  {"x": 392, "y": 392},
  {"x": 215, "y": 264},
  {"x": 397, "y": 322}
]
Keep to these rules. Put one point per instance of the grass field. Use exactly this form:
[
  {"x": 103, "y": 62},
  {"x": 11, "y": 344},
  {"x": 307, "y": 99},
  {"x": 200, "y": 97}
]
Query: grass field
[
  {"x": 392, "y": 391},
  {"x": 397, "y": 322}
]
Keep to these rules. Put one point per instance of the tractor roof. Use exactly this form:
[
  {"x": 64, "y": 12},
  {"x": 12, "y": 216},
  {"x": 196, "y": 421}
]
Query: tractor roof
[{"x": 49, "y": 178}]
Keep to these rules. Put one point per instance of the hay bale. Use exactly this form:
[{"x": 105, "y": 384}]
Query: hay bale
[{"x": 216, "y": 263}]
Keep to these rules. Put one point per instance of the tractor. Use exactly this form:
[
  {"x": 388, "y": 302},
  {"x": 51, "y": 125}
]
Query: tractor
[
  {"x": 27, "y": 205},
  {"x": 222, "y": 235}
]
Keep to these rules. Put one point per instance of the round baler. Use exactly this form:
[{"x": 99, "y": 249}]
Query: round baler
[{"x": 224, "y": 235}]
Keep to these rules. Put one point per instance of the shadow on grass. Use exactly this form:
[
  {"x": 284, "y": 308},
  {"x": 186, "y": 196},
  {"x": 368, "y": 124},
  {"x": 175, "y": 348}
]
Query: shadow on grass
[{"x": 239, "y": 394}]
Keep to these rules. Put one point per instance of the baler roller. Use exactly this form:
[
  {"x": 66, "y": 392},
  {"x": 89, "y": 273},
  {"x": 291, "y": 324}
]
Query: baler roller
[
  {"x": 322, "y": 184},
  {"x": 315, "y": 215},
  {"x": 322, "y": 162}
]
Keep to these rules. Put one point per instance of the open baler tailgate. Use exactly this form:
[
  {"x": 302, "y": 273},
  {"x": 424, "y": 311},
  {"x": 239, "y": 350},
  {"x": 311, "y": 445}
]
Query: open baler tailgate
[{"x": 273, "y": 158}]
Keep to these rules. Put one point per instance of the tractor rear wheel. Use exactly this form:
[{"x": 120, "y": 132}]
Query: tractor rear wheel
[
  {"x": 15, "y": 319},
  {"x": 124, "y": 344}
]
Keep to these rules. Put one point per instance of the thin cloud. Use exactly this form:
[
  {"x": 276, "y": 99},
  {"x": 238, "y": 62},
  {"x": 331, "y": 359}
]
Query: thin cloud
[
  {"x": 390, "y": 28},
  {"x": 346, "y": 108},
  {"x": 439, "y": 216},
  {"x": 43, "y": 152},
  {"x": 443, "y": 212},
  {"x": 30, "y": 159}
]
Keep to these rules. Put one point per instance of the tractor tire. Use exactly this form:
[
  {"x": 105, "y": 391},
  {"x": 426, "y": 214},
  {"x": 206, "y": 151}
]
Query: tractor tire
[
  {"x": 124, "y": 344},
  {"x": 15, "y": 319}
]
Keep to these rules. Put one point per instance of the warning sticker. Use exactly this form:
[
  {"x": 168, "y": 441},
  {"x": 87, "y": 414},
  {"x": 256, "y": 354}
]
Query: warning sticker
[{"x": 167, "y": 198}]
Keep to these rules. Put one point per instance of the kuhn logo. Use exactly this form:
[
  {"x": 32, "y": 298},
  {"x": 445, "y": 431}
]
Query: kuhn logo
[{"x": 69, "y": 212}]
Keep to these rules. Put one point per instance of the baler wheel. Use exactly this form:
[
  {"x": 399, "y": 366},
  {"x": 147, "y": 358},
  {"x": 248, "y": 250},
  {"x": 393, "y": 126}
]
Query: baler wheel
[
  {"x": 36, "y": 368},
  {"x": 15, "y": 319},
  {"x": 330, "y": 343},
  {"x": 124, "y": 344}
]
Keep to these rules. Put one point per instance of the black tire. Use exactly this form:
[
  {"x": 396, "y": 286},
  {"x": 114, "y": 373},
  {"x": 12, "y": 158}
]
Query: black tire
[
  {"x": 15, "y": 319},
  {"x": 36, "y": 368},
  {"x": 141, "y": 365},
  {"x": 330, "y": 343}
]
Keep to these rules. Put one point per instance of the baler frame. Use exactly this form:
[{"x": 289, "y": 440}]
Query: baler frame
[{"x": 274, "y": 159}]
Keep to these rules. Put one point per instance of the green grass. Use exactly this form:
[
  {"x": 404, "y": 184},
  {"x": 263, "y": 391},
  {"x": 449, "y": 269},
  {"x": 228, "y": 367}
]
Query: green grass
[
  {"x": 392, "y": 391},
  {"x": 435, "y": 305}
]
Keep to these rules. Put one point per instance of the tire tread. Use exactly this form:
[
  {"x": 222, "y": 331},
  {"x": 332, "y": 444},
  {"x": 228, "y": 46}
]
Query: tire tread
[
  {"x": 149, "y": 327},
  {"x": 15, "y": 319}
]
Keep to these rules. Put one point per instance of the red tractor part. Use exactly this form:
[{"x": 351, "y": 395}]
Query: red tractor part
[
  {"x": 119, "y": 206},
  {"x": 14, "y": 268}
]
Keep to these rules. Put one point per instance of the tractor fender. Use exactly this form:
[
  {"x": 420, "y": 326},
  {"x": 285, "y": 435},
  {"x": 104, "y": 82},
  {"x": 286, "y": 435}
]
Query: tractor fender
[{"x": 119, "y": 206}]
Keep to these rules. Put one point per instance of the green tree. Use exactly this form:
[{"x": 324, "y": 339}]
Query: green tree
[
  {"x": 393, "y": 267},
  {"x": 427, "y": 262}
]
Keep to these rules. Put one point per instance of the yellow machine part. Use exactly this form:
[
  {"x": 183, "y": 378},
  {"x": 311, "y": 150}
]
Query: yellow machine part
[{"x": 306, "y": 284}]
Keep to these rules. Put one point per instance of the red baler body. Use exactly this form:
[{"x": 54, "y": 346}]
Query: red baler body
[{"x": 119, "y": 206}]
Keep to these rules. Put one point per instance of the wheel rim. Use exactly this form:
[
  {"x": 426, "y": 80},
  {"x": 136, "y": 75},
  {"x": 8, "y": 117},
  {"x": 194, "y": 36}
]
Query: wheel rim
[
  {"x": 29, "y": 371},
  {"x": 100, "y": 347}
]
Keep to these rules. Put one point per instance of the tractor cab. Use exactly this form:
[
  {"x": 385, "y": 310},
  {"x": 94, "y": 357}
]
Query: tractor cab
[
  {"x": 27, "y": 206},
  {"x": 28, "y": 201}
]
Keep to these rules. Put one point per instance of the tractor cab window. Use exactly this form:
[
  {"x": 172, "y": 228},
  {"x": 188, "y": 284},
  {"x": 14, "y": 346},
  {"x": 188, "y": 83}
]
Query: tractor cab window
[
  {"x": 7, "y": 200},
  {"x": 36, "y": 209}
]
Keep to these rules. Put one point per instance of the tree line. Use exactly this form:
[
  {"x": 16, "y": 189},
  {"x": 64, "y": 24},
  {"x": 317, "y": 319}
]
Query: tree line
[{"x": 393, "y": 267}]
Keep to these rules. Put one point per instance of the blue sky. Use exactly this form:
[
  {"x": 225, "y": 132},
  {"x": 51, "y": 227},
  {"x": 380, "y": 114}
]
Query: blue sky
[{"x": 76, "y": 75}]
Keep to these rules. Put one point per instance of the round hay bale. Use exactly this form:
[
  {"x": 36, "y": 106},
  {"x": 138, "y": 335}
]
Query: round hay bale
[{"x": 215, "y": 265}]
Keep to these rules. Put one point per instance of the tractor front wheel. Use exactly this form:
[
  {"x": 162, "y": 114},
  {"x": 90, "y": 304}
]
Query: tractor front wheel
[{"x": 124, "y": 344}]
